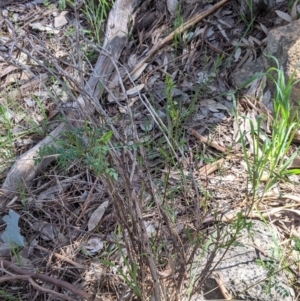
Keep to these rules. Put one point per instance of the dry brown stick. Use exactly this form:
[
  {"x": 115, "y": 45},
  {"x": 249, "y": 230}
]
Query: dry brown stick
[
  {"x": 64, "y": 258},
  {"x": 87, "y": 202},
  {"x": 177, "y": 31},
  {"x": 13, "y": 278},
  {"x": 58, "y": 282},
  {"x": 45, "y": 290},
  {"x": 210, "y": 168},
  {"x": 34, "y": 284},
  {"x": 218, "y": 278},
  {"x": 207, "y": 140}
]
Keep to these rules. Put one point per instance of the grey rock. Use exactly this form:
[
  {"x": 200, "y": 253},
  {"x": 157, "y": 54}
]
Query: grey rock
[
  {"x": 240, "y": 76},
  {"x": 284, "y": 44},
  {"x": 241, "y": 275}
]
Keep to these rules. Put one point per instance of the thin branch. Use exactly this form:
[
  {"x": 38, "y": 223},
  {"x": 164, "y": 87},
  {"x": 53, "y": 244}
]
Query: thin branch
[{"x": 58, "y": 282}]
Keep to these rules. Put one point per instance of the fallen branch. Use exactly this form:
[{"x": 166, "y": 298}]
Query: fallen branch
[
  {"x": 24, "y": 170},
  {"x": 45, "y": 278}
]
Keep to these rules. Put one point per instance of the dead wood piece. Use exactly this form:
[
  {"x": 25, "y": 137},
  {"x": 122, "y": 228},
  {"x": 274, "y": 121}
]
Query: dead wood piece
[
  {"x": 116, "y": 37},
  {"x": 208, "y": 169},
  {"x": 24, "y": 171},
  {"x": 207, "y": 141}
]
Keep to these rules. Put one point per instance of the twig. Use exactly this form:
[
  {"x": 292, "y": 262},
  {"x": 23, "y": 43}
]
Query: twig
[
  {"x": 13, "y": 278},
  {"x": 58, "y": 282},
  {"x": 218, "y": 278},
  {"x": 35, "y": 285},
  {"x": 210, "y": 168},
  {"x": 64, "y": 258},
  {"x": 207, "y": 140},
  {"x": 177, "y": 31},
  {"x": 45, "y": 290}
]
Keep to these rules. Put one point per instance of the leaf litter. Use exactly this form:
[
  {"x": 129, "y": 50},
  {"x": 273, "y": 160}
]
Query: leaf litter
[{"x": 76, "y": 207}]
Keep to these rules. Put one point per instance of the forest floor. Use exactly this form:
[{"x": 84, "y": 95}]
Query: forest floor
[{"x": 148, "y": 162}]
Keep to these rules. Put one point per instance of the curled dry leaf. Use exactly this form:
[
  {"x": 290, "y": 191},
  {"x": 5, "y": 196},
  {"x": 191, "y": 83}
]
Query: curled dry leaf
[
  {"x": 93, "y": 246},
  {"x": 47, "y": 231},
  {"x": 294, "y": 12},
  {"x": 40, "y": 27},
  {"x": 97, "y": 215},
  {"x": 60, "y": 20}
]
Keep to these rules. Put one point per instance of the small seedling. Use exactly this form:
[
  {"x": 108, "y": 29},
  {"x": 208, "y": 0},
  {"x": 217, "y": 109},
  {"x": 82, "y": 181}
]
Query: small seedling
[
  {"x": 96, "y": 14},
  {"x": 131, "y": 276},
  {"x": 88, "y": 145}
]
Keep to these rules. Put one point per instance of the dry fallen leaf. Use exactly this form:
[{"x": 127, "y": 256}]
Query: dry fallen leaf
[
  {"x": 138, "y": 72},
  {"x": 294, "y": 11},
  {"x": 40, "y": 27},
  {"x": 237, "y": 54},
  {"x": 283, "y": 15},
  {"x": 147, "y": 123},
  {"x": 135, "y": 90},
  {"x": 212, "y": 105},
  {"x": 264, "y": 28},
  {"x": 295, "y": 163},
  {"x": 60, "y": 20},
  {"x": 7, "y": 70},
  {"x": 172, "y": 5},
  {"x": 93, "y": 246},
  {"x": 46, "y": 230},
  {"x": 97, "y": 215}
]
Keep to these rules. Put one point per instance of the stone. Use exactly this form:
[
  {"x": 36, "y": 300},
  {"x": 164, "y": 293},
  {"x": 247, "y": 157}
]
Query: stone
[
  {"x": 239, "y": 270},
  {"x": 246, "y": 71},
  {"x": 284, "y": 45}
]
